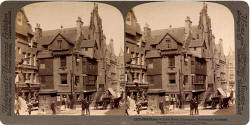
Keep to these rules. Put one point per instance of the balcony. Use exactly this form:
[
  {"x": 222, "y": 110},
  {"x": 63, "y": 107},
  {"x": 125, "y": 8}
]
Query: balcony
[
  {"x": 198, "y": 88},
  {"x": 28, "y": 66},
  {"x": 136, "y": 66}
]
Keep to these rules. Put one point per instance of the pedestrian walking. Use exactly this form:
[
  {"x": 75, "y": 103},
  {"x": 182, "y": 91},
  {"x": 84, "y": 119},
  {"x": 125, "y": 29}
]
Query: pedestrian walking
[
  {"x": 83, "y": 102},
  {"x": 29, "y": 108},
  {"x": 127, "y": 103},
  {"x": 196, "y": 109},
  {"x": 17, "y": 105},
  {"x": 87, "y": 107},
  {"x": 161, "y": 106},
  {"x": 53, "y": 107},
  {"x": 138, "y": 107},
  {"x": 192, "y": 105}
]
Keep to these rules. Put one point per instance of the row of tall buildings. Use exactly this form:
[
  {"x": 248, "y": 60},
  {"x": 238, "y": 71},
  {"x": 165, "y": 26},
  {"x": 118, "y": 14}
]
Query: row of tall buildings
[
  {"x": 65, "y": 63},
  {"x": 180, "y": 63}
]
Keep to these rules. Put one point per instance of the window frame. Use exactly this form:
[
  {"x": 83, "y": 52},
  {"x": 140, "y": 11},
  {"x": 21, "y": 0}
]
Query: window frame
[{"x": 63, "y": 81}]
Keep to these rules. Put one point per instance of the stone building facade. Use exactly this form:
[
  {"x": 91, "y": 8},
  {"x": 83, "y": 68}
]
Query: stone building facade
[
  {"x": 230, "y": 72},
  {"x": 121, "y": 70},
  {"x": 179, "y": 61},
  {"x": 26, "y": 80},
  {"x": 220, "y": 65},
  {"x": 134, "y": 55},
  {"x": 71, "y": 61}
]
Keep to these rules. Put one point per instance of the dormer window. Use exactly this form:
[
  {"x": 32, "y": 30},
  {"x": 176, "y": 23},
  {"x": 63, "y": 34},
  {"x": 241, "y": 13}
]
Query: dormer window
[
  {"x": 128, "y": 19},
  {"x": 59, "y": 43},
  {"x": 167, "y": 40},
  {"x": 197, "y": 36}
]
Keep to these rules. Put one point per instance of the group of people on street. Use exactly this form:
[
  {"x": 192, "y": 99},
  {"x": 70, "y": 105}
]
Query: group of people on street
[
  {"x": 18, "y": 105},
  {"x": 194, "y": 106},
  {"x": 85, "y": 106}
]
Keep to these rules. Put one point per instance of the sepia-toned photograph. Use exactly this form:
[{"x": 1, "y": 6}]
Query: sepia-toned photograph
[
  {"x": 180, "y": 59},
  {"x": 69, "y": 59}
]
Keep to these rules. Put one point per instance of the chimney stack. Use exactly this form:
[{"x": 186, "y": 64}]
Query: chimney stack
[
  {"x": 188, "y": 24},
  {"x": 38, "y": 31},
  {"x": 79, "y": 25},
  {"x": 147, "y": 30},
  {"x": 170, "y": 28}
]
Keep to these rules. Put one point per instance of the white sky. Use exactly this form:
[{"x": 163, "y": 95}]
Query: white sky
[
  {"x": 160, "y": 15},
  {"x": 51, "y": 15}
]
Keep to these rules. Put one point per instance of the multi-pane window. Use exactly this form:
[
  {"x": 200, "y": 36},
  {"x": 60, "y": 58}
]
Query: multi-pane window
[
  {"x": 92, "y": 79},
  {"x": 143, "y": 79},
  {"x": 193, "y": 79},
  {"x": 42, "y": 66},
  {"x": 28, "y": 57},
  {"x": 185, "y": 79},
  {"x": 77, "y": 80},
  {"x": 133, "y": 58},
  {"x": 133, "y": 76},
  {"x": 142, "y": 59},
  {"x": 63, "y": 78},
  {"x": 172, "y": 79},
  {"x": 63, "y": 61},
  {"x": 137, "y": 59},
  {"x": 171, "y": 60},
  {"x": 42, "y": 79}
]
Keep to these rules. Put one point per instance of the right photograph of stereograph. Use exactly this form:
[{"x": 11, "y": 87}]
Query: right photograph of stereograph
[{"x": 180, "y": 59}]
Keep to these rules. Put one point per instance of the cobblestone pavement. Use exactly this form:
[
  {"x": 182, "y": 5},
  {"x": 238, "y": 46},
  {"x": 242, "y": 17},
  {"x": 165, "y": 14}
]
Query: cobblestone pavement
[
  {"x": 120, "y": 111},
  {"x": 77, "y": 111}
]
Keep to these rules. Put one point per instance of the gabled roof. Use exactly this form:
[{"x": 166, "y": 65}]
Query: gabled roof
[
  {"x": 26, "y": 28},
  {"x": 176, "y": 33},
  {"x": 59, "y": 34},
  {"x": 67, "y": 33}
]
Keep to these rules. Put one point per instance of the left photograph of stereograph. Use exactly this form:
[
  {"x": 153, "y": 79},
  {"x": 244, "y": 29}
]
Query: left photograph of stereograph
[{"x": 69, "y": 59}]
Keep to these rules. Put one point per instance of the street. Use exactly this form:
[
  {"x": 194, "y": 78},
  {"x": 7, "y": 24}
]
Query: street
[
  {"x": 186, "y": 112},
  {"x": 93, "y": 111}
]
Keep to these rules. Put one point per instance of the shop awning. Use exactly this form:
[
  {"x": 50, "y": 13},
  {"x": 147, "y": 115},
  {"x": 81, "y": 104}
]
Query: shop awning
[
  {"x": 189, "y": 97},
  {"x": 222, "y": 92},
  {"x": 112, "y": 92}
]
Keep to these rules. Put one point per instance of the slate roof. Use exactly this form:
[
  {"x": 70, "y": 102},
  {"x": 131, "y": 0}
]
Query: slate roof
[
  {"x": 87, "y": 43},
  {"x": 196, "y": 43},
  {"x": 133, "y": 30},
  {"x": 152, "y": 54},
  {"x": 68, "y": 33},
  {"x": 26, "y": 28}
]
